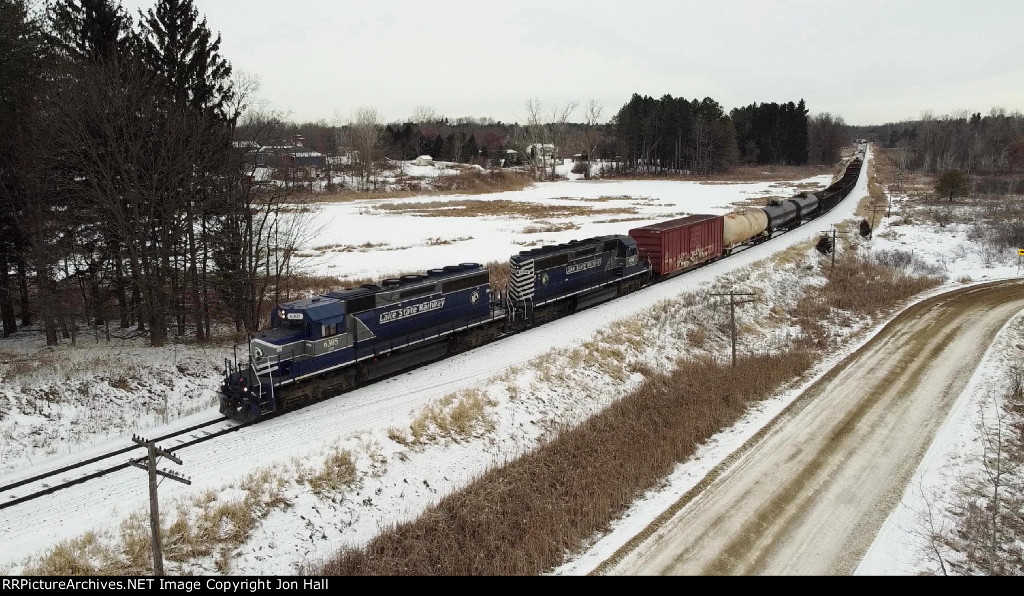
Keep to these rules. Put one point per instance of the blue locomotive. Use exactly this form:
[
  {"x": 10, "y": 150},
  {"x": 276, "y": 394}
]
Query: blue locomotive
[
  {"x": 324, "y": 345},
  {"x": 552, "y": 280}
]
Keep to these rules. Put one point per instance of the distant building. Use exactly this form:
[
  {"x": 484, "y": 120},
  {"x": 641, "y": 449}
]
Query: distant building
[
  {"x": 423, "y": 160},
  {"x": 540, "y": 152}
]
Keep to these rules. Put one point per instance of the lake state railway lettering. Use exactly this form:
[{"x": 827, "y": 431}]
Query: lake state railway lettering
[
  {"x": 408, "y": 311},
  {"x": 577, "y": 267}
]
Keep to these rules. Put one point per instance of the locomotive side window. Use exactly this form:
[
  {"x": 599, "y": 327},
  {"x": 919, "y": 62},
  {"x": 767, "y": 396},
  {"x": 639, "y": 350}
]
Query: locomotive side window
[{"x": 329, "y": 330}]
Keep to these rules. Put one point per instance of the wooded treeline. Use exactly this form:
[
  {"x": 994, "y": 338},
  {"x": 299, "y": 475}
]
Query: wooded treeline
[
  {"x": 646, "y": 135},
  {"x": 122, "y": 201},
  {"x": 677, "y": 135},
  {"x": 969, "y": 142},
  {"x": 127, "y": 195}
]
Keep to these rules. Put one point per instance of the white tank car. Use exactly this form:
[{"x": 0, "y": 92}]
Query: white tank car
[{"x": 743, "y": 225}]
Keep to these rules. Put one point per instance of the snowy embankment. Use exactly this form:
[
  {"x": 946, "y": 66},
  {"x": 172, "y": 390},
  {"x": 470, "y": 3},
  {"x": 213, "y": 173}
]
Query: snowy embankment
[{"x": 534, "y": 383}]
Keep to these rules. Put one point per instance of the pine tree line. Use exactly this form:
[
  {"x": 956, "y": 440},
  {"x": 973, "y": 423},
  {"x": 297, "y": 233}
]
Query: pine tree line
[{"x": 122, "y": 198}]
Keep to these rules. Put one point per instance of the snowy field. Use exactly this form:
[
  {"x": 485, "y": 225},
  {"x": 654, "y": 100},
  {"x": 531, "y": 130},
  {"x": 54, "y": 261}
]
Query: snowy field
[
  {"x": 360, "y": 239},
  {"x": 397, "y": 477}
]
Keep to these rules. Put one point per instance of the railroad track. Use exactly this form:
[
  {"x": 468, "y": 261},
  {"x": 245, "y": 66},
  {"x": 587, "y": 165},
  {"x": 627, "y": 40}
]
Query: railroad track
[{"x": 16, "y": 500}]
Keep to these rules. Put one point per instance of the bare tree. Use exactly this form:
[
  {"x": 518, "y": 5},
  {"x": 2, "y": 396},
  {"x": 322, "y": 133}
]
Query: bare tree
[
  {"x": 592, "y": 132},
  {"x": 559, "y": 127},
  {"x": 533, "y": 135},
  {"x": 827, "y": 136},
  {"x": 423, "y": 115},
  {"x": 366, "y": 130}
]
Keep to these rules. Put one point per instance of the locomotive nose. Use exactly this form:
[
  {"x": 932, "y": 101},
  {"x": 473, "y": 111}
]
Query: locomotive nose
[{"x": 234, "y": 391}]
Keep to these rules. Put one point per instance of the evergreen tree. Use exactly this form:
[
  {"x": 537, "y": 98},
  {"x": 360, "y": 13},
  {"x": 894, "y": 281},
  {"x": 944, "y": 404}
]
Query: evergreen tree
[
  {"x": 183, "y": 54},
  {"x": 89, "y": 29},
  {"x": 19, "y": 51},
  {"x": 952, "y": 184}
]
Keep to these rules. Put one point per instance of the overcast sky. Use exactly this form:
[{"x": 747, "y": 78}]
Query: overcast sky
[{"x": 869, "y": 61}]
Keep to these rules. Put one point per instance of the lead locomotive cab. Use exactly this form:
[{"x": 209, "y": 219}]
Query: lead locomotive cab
[{"x": 326, "y": 344}]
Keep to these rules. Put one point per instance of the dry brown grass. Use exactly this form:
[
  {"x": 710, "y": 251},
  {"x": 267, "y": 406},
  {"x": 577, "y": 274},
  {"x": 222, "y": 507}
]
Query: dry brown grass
[
  {"x": 496, "y": 208},
  {"x": 523, "y": 517},
  {"x": 437, "y": 241},
  {"x": 337, "y": 472},
  {"x": 738, "y": 174},
  {"x": 876, "y": 201},
  {"x": 208, "y": 525},
  {"x": 542, "y": 227},
  {"x": 364, "y": 247},
  {"x": 859, "y": 285},
  {"x": 456, "y": 417}
]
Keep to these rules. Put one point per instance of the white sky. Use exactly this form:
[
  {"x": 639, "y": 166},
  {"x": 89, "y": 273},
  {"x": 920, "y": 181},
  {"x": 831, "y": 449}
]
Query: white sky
[{"x": 870, "y": 61}]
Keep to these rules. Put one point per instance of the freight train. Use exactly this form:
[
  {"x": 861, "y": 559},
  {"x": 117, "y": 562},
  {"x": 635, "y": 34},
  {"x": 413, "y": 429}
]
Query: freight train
[{"x": 322, "y": 346}]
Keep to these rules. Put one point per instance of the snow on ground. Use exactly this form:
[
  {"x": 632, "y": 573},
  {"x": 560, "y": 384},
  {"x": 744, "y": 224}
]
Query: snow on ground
[
  {"x": 61, "y": 400},
  {"x": 357, "y": 240},
  {"x": 396, "y": 479},
  {"x": 900, "y": 547},
  {"x": 894, "y": 551},
  {"x": 360, "y": 421}
]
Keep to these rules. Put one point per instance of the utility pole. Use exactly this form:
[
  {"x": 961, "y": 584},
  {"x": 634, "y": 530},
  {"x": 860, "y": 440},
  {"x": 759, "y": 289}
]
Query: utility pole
[
  {"x": 875, "y": 210},
  {"x": 732, "y": 314},
  {"x": 154, "y": 501},
  {"x": 833, "y": 235}
]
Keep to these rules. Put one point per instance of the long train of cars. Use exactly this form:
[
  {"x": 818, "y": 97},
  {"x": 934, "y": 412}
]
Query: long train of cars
[{"x": 322, "y": 346}]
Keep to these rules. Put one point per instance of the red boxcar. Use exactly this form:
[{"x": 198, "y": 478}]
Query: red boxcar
[{"x": 679, "y": 244}]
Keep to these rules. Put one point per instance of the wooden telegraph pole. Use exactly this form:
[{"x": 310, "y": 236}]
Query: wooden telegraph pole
[
  {"x": 732, "y": 314},
  {"x": 833, "y": 235},
  {"x": 154, "y": 501},
  {"x": 875, "y": 210}
]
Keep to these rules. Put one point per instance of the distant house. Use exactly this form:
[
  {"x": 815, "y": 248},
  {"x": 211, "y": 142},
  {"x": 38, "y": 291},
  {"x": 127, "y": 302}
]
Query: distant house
[
  {"x": 423, "y": 160},
  {"x": 299, "y": 157},
  {"x": 540, "y": 152},
  {"x": 508, "y": 158}
]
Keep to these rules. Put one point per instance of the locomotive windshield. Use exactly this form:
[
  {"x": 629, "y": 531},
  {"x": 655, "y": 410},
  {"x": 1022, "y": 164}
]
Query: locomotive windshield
[{"x": 282, "y": 320}]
